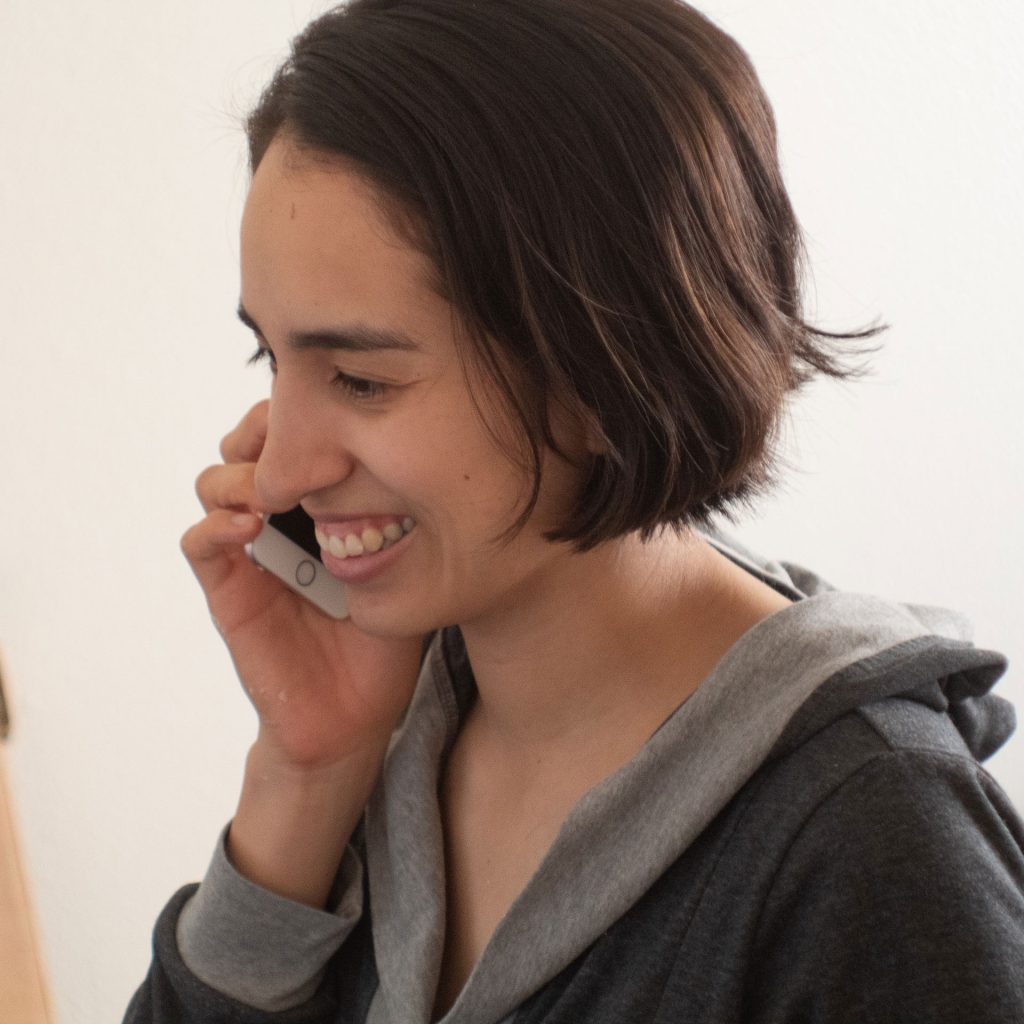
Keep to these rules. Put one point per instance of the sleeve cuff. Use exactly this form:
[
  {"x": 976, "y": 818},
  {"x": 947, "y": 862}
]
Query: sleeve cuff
[{"x": 259, "y": 948}]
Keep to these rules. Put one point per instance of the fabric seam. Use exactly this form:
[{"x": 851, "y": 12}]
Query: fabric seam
[{"x": 750, "y": 799}]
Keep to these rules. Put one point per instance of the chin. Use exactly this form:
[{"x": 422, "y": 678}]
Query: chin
[{"x": 390, "y": 619}]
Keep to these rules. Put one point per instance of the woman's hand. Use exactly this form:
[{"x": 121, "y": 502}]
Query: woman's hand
[
  {"x": 323, "y": 689},
  {"x": 327, "y": 694}
]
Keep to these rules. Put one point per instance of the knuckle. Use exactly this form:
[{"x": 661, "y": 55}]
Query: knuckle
[
  {"x": 243, "y": 443},
  {"x": 255, "y": 422},
  {"x": 188, "y": 542},
  {"x": 204, "y": 480}
]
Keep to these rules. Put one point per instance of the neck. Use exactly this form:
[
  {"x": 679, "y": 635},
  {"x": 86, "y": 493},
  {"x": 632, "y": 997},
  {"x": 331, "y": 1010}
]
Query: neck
[{"x": 606, "y": 645}]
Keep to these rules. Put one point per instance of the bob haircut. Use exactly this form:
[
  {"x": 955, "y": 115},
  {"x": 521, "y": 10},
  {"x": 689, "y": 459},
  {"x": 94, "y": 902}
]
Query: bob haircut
[{"x": 597, "y": 186}]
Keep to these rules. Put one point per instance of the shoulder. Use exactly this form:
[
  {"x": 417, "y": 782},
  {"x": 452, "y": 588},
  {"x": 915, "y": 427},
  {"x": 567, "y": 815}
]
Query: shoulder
[
  {"x": 897, "y": 741},
  {"x": 892, "y": 788},
  {"x": 896, "y": 889},
  {"x": 898, "y": 797}
]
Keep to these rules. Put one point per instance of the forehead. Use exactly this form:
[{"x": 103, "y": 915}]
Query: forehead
[
  {"x": 288, "y": 176},
  {"x": 315, "y": 237}
]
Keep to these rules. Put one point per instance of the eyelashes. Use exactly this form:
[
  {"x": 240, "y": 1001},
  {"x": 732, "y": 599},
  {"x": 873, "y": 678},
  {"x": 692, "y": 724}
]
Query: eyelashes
[
  {"x": 262, "y": 354},
  {"x": 358, "y": 388}
]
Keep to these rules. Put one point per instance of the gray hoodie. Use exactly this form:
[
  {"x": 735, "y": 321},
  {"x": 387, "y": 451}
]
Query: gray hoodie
[{"x": 826, "y": 694}]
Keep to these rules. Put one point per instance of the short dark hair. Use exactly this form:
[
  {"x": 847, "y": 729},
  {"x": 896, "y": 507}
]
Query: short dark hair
[{"x": 597, "y": 185}]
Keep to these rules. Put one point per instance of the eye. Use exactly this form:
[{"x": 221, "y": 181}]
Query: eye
[
  {"x": 263, "y": 354},
  {"x": 359, "y": 387},
  {"x": 355, "y": 387}
]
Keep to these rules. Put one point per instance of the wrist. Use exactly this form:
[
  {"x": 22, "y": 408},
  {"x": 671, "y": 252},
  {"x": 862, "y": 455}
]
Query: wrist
[
  {"x": 269, "y": 765},
  {"x": 293, "y": 822}
]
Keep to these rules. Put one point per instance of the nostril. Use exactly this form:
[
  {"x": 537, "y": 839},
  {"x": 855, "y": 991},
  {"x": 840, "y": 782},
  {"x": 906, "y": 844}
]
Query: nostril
[{"x": 286, "y": 476}]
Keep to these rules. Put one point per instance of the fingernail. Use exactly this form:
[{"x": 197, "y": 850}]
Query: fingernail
[{"x": 246, "y": 519}]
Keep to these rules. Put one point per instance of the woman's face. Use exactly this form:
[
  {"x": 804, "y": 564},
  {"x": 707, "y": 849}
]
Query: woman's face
[{"x": 372, "y": 421}]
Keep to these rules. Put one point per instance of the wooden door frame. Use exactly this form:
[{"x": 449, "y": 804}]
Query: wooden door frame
[{"x": 23, "y": 992}]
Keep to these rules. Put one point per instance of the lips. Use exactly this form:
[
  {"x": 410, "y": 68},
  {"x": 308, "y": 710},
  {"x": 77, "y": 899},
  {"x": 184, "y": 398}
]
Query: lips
[{"x": 362, "y": 561}]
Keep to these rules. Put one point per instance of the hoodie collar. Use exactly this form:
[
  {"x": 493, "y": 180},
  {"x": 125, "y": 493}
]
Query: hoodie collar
[{"x": 782, "y": 681}]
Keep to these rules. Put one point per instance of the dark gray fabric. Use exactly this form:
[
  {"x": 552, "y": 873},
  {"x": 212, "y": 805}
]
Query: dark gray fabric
[
  {"x": 873, "y": 874},
  {"x": 823, "y": 756}
]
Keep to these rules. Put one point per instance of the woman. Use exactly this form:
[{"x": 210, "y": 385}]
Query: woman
[{"x": 527, "y": 277}]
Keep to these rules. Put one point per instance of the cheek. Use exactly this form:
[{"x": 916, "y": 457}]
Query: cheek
[
  {"x": 465, "y": 462},
  {"x": 453, "y": 467},
  {"x": 472, "y": 500}
]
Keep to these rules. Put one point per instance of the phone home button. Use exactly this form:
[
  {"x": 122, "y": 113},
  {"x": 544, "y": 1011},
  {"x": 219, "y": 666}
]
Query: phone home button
[{"x": 305, "y": 573}]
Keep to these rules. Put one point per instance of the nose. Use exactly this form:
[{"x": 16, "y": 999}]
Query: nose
[{"x": 301, "y": 454}]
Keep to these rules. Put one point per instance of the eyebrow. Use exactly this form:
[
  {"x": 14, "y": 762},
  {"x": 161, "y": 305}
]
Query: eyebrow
[{"x": 354, "y": 338}]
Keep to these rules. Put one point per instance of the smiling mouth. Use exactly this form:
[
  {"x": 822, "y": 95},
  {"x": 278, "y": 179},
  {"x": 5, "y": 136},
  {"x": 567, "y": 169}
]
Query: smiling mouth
[{"x": 344, "y": 540}]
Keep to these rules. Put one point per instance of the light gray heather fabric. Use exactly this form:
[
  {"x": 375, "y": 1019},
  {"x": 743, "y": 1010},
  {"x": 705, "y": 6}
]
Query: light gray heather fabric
[
  {"x": 621, "y": 835},
  {"x": 614, "y": 844},
  {"x": 268, "y": 951}
]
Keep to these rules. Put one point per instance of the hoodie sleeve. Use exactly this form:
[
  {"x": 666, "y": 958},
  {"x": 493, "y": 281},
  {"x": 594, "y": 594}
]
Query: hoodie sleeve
[
  {"x": 172, "y": 994},
  {"x": 901, "y": 899},
  {"x": 228, "y": 950}
]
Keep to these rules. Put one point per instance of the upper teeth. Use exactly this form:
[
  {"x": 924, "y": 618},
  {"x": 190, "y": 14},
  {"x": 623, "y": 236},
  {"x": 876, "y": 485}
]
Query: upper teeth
[{"x": 369, "y": 540}]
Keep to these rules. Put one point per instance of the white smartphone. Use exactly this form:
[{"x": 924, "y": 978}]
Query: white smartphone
[{"x": 287, "y": 547}]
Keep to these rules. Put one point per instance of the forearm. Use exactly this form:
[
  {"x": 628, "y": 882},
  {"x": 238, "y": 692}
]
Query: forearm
[{"x": 291, "y": 827}]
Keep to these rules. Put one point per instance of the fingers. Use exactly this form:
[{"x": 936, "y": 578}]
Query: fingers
[
  {"x": 245, "y": 442},
  {"x": 215, "y": 545},
  {"x": 228, "y": 487},
  {"x": 221, "y": 529}
]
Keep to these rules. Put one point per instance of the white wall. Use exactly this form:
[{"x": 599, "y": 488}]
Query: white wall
[{"x": 121, "y": 366}]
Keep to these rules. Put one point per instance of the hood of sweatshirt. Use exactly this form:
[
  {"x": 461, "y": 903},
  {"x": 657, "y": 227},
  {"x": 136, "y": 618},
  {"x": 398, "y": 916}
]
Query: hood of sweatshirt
[{"x": 785, "y": 679}]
